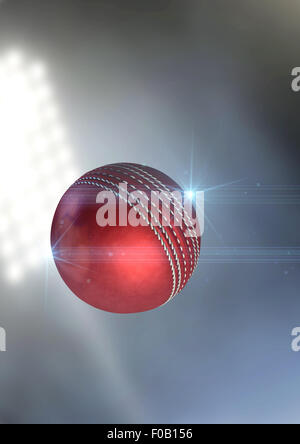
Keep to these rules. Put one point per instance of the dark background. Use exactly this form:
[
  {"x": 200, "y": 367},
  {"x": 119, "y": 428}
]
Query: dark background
[{"x": 200, "y": 90}]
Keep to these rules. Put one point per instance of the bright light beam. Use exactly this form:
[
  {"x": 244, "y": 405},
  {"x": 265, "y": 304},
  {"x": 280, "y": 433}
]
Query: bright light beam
[{"x": 36, "y": 163}]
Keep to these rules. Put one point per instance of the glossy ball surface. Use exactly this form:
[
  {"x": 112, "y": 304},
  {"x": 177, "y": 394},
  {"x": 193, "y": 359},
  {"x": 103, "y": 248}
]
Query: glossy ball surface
[{"x": 121, "y": 269}]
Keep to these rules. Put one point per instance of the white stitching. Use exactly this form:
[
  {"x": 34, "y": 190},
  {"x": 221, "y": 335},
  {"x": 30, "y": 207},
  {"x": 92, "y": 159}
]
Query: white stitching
[
  {"x": 83, "y": 181},
  {"x": 194, "y": 260},
  {"x": 180, "y": 283},
  {"x": 183, "y": 282},
  {"x": 136, "y": 169},
  {"x": 179, "y": 287}
]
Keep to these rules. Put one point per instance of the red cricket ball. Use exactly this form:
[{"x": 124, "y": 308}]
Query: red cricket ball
[{"x": 124, "y": 267}]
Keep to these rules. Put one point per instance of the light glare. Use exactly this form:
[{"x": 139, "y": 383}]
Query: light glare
[
  {"x": 37, "y": 71},
  {"x": 14, "y": 273},
  {"x": 34, "y": 156}
]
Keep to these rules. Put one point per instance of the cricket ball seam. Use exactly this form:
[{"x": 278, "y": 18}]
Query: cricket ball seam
[
  {"x": 185, "y": 279},
  {"x": 193, "y": 261},
  {"x": 178, "y": 287},
  {"x": 135, "y": 169},
  {"x": 173, "y": 293}
]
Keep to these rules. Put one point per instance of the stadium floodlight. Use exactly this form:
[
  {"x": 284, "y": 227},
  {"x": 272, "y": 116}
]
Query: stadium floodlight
[{"x": 36, "y": 163}]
